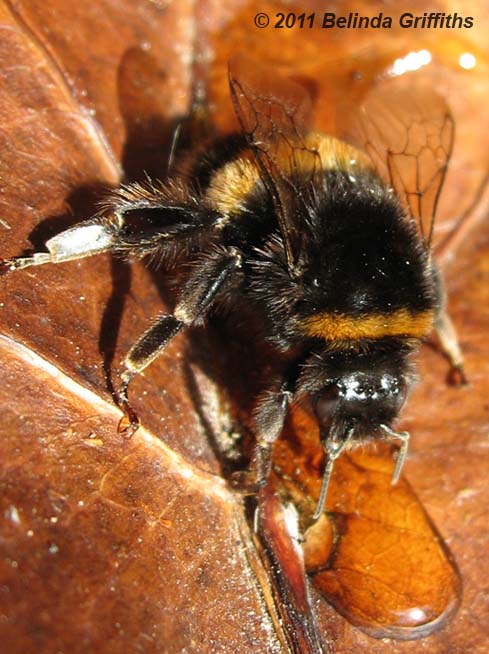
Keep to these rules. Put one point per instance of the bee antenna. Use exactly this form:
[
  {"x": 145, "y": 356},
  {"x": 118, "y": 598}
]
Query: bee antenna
[
  {"x": 173, "y": 148},
  {"x": 333, "y": 450}
]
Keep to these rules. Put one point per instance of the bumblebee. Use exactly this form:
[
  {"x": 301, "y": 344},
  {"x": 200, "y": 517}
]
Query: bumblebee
[{"x": 328, "y": 242}]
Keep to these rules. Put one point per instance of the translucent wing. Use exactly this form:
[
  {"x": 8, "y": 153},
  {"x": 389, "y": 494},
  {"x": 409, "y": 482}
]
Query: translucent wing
[
  {"x": 273, "y": 113},
  {"x": 408, "y": 134}
]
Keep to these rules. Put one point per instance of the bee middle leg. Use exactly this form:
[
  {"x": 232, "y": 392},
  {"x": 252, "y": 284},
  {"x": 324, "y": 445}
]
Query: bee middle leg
[{"x": 214, "y": 273}]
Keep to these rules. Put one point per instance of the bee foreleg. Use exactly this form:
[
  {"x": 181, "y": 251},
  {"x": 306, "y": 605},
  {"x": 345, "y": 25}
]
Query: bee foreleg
[
  {"x": 270, "y": 415},
  {"x": 210, "y": 276},
  {"x": 269, "y": 420}
]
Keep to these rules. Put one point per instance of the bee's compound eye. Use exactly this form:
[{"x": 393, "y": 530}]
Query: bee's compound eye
[{"x": 325, "y": 404}]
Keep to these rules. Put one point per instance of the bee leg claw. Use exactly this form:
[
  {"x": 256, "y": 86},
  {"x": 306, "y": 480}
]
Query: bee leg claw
[
  {"x": 5, "y": 266},
  {"x": 128, "y": 425},
  {"x": 456, "y": 376}
]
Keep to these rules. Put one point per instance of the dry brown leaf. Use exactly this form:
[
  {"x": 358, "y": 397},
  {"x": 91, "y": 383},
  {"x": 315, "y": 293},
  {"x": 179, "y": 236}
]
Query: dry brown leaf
[{"x": 115, "y": 546}]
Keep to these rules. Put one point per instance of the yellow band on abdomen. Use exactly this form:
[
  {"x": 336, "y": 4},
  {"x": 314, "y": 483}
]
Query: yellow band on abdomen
[{"x": 341, "y": 327}]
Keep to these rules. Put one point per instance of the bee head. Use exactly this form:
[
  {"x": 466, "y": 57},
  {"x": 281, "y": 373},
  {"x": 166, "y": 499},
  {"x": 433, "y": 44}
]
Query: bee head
[
  {"x": 361, "y": 401},
  {"x": 356, "y": 398},
  {"x": 356, "y": 392}
]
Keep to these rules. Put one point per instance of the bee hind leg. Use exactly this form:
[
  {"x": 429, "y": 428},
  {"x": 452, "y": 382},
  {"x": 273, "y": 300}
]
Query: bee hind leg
[
  {"x": 447, "y": 337},
  {"x": 83, "y": 240},
  {"x": 122, "y": 227}
]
